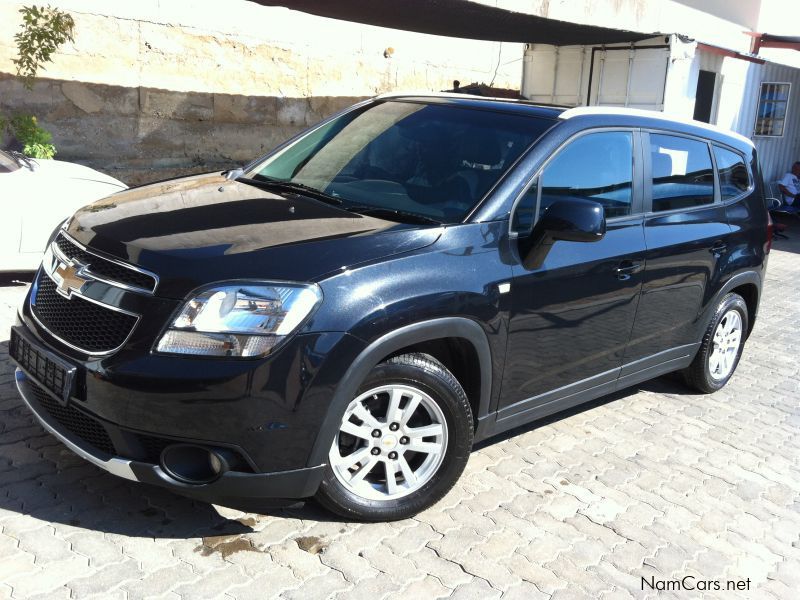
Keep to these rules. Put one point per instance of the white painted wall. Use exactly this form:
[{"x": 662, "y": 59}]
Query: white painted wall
[{"x": 221, "y": 47}]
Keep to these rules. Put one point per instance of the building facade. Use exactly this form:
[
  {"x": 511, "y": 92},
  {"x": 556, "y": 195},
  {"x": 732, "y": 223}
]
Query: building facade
[
  {"x": 686, "y": 78},
  {"x": 157, "y": 88}
]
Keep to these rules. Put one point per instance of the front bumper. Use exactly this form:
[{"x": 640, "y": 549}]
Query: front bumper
[
  {"x": 270, "y": 409},
  {"x": 248, "y": 491}
]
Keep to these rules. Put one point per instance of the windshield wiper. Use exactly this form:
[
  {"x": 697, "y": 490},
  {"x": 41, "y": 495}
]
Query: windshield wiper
[
  {"x": 21, "y": 159},
  {"x": 307, "y": 190},
  {"x": 291, "y": 186},
  {"x": 393, "y": 214}
]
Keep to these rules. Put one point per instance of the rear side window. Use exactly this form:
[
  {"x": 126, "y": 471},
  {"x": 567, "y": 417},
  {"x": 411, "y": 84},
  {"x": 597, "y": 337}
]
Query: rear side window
[
  {"x": 682, "y": 174},
  {"x": 733, "y": 176},
  {"x": 597, "y": 166}
]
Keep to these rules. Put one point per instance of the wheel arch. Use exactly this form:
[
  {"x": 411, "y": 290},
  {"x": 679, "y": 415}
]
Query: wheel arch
[
  {"x": 747, "y": 285},
  {"x": 415, "y": 337}
]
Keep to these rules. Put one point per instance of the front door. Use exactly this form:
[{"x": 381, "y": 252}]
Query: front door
[{"x": 571, "y": 317}]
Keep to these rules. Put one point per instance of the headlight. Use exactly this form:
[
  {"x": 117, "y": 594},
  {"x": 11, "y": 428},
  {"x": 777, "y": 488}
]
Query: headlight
[{"x": 244, "y": 320}]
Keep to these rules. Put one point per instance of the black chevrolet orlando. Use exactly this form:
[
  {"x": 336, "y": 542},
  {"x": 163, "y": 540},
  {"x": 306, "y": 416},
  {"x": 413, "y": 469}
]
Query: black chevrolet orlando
[{"x": 345, "y": 317}]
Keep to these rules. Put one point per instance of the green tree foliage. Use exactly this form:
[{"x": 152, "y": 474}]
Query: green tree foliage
[
  {"x": 35, "y": 140},
  {"x": 44, "y": 29}
]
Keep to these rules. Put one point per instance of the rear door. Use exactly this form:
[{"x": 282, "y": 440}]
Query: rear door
[
  {"x": 571, "y": 316},
  {"x": 687, "y": 234}
]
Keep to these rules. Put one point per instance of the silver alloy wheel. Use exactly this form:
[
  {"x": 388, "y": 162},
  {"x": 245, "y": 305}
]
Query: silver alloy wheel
[
  {"x": 726, "y": 341},
  {"x": 391, "y": 442}
]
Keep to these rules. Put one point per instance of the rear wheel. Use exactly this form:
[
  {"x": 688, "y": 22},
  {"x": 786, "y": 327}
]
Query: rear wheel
[
  {"x": 721, "y": 347},
  {"x": 402, "y": 443}
]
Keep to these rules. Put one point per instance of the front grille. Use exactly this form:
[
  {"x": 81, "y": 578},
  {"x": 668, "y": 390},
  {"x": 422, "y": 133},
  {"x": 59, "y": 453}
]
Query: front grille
[
  {"x": 104, "y": 268},
  {"x": 76, "y": 422},
  {"x": 95, "y": 434},
  {"x": 152, "y": 446},
  {"x": 83, "y": 324},
  {"x": 49, "y": 373}
]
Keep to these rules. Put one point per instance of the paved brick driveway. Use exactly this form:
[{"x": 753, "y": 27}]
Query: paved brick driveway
[{"x": 656, "y": 482}]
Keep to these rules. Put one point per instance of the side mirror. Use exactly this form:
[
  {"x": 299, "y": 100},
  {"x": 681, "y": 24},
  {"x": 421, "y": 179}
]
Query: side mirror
[{"x": 570, "y": 220}]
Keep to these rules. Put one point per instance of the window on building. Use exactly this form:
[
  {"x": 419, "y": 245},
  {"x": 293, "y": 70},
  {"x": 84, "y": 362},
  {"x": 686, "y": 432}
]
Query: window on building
[
  {"x": 771, "y": 114},
  {"x": 682, "y": 174},
  {"x": 733, "y": 176},
  {"x": 598, "y": 167}
]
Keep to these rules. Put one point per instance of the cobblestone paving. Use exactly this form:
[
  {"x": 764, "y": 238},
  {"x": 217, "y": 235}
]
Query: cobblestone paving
[{"x": 654, "y": 482}]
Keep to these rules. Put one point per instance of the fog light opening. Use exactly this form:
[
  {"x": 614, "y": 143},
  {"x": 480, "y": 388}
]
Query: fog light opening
[{"x": 193, "y": 464}]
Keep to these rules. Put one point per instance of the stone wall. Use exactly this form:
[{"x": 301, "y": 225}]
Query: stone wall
[
  {"x": 157, "y": 88},
  {"x": 146, "y": 134}
]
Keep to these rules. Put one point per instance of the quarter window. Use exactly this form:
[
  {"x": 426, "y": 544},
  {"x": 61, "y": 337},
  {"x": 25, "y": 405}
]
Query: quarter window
[
  {"x": 771, "y": 112},
  {"x": 682, "y": 174},
  {"x": 733, "y": 176},
  {"x": 597, "y": 166}
]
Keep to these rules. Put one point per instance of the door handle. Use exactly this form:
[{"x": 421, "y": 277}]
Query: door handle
[
  {"x": 719, "y": 247},
  {"x": 627, "y": 268}
]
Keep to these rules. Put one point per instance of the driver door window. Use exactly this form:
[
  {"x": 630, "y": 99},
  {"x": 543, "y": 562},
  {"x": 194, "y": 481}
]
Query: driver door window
[{"x": 598, "y": 167}]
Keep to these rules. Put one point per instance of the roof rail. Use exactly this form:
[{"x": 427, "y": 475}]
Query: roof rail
[
  {"x": 462, "y": 96},
  {"x": 649, "y": 114}
]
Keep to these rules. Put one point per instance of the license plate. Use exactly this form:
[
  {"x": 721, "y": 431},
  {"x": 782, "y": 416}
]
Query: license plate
[{"x": 50, "y": 372}]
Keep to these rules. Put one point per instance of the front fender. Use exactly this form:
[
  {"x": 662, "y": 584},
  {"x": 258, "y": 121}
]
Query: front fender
[{"x": 458, "y": 327}]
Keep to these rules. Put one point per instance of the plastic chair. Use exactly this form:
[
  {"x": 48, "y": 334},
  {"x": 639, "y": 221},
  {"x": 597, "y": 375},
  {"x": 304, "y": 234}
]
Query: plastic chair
[
  {"x": 774, "y": 205},
  {"x": 780, "y": 208}
]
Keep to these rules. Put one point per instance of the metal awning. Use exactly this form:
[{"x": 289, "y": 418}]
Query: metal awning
[
  {"x": 462, "y": 19},
  {"x": 766, "y": 40}
]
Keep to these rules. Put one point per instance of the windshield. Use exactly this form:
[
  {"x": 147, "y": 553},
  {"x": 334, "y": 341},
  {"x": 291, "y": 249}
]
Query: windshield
[{"x": 430, "y": 160}]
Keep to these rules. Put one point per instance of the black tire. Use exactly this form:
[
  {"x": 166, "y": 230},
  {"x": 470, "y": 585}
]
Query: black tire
[
  {"x": 698, "y": 374},
  {"x": 429, "y": 375}
]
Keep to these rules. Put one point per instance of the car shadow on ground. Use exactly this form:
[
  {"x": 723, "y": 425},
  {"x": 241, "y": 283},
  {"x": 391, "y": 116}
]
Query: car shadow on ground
[{"x": 41, "y": 478}]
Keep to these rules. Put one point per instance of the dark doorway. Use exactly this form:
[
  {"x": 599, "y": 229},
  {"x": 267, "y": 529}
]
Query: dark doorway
[{"x": 704, "y": 99}]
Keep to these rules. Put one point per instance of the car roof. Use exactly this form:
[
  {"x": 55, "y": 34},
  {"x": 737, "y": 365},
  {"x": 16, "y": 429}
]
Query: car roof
[
  {"x": 588, "y": 115},
  {"x": 652, "y": 118},
  {"x": 508, "y": 105}
]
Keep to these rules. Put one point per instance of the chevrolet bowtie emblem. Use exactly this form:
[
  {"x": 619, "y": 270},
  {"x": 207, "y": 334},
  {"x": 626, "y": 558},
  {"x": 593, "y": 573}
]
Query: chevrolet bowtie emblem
[{"x": 68, "y": 278}]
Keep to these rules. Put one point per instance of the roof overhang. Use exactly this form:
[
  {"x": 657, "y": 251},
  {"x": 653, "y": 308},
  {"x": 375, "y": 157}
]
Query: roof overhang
[
  {"x": 731, "y": 53},
  {"x": 462, "y": 19},
  {"x": 766, "y": 40}
]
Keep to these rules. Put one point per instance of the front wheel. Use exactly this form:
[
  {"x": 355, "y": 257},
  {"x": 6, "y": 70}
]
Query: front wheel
[
  {"x": 721, "y": 347},
  {"x": 402, "y": 443}
]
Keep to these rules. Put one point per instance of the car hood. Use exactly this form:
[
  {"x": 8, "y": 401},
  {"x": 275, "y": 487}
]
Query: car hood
[
  {"x": 201, "y": 229},
  {"x": 58, "y": 169}
]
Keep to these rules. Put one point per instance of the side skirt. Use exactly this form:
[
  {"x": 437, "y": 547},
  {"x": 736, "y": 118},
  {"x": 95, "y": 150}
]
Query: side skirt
[{"x": 585, "y": 390}]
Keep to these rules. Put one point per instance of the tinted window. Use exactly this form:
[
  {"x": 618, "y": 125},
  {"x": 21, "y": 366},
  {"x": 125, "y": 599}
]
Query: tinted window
[
  {"x": 733, "y": 176},
  {"x": 598, "y": 167},
  {"x": 436, "y": 161},
  {"x": 525, "y": 210},
  {"x": 682, "y": 173}
]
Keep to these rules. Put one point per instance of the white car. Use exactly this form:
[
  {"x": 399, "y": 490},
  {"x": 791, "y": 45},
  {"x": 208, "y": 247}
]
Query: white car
[{"x": 37, "y": 195}]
